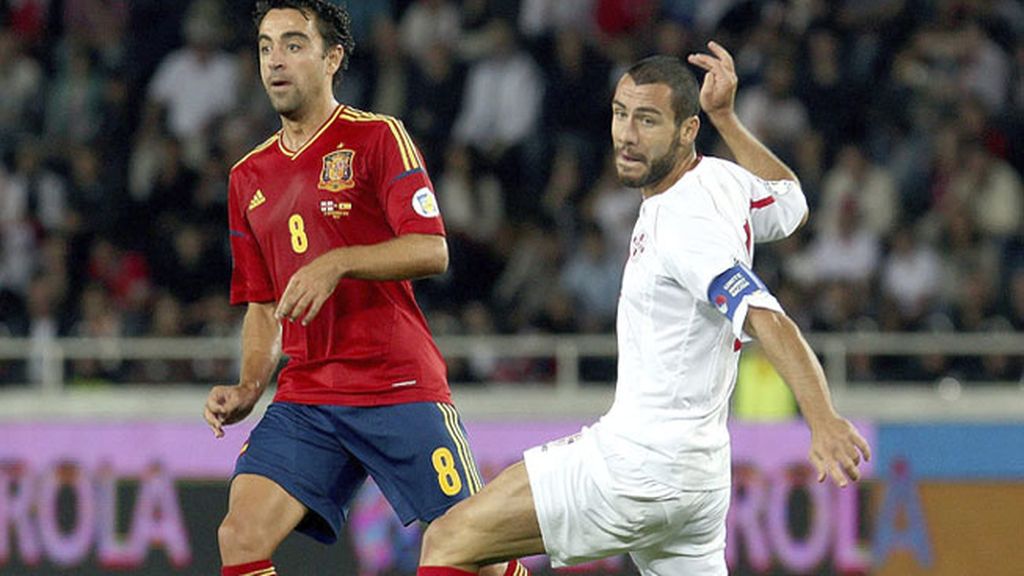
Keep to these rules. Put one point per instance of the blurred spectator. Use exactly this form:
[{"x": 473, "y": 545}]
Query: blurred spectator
[
  {"x": 771, "y": 110},
  {"x": 21, "y": 88},
  {"x": 911, "y": 277},
  {"x": 614, "y": 208},
  {"x": 965, "y": 252},
  {"x": 75, "y": 101},
  {"x": 624, "y": 17},
  {"x": 388, "y": 81},
  {"x": 976, "y": 300},
  {"x": 428, "y": 24},
  {"x": 990, "y": 189},
  {"x": 474, "y": 215},
  {"x": 592, "y": 278},
  {"x": 1016, "y": 299},
  {"x": 365, "y": 14},
  {"x": 34, "y": 194},
  {"x": 216, "y": 318},
  {"x": 564, "y": 190},
  {"x": 545, "y": 17},
  {"x": 829, "y": 96},
  {"x": 210, "y": 73},
  {"x": 98, "y": 319},
  {"x": 95, "y": 203},
  {"x": 855, "y": 180},
  {"x": 501, "y": 108},
  {"x": 17, "y": 257},
  {"x": 521, "y": 290},
  {"x": 28, "y": 19},
  {"x": 43, "y": 306},
  {"x": 576, "y": 100},
  {"x": 473, "y": 205},
  {"x": 436, "y": 85},
  {"x": 98, "y": 25},
  {"x": 124, "y": 276},
  {"x": 167, "y": 322},
  {"x": 848, "y": 253},
  {"x": 188, "y": 265}
]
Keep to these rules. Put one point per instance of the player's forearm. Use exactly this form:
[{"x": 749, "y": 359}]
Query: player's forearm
[
  {"x": 794, "y": 360},
  {"x": 749, "y": 151},
  {"x": 261, "y": 346},
  {"x": 403, "y": 258}
]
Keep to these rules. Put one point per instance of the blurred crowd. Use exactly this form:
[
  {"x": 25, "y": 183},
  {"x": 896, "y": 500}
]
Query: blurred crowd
[{"x": 119, "y": 122}]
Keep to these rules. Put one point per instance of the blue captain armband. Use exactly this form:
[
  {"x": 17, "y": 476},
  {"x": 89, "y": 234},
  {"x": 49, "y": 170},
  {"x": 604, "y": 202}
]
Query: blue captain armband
[{"x": 732, "y": 292}]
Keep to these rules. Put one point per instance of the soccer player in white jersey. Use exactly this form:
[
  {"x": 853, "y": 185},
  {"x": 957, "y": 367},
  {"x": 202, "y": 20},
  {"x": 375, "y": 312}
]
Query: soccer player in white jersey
[{"x": 651, "y": 478}]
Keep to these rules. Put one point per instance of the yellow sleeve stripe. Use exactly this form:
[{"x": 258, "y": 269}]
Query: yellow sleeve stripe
[
  {"x": 410, "y": 158},
  {"x": 521, "y": 570},
  {"x": 262, "y": 146},
  {"x": 451, "y": 421}
]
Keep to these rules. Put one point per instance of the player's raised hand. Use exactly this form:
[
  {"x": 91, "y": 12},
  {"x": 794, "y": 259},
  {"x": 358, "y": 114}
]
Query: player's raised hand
[
  {"x": 308, "y": 289},
  {"x": 718, "y": 91},
  {"x": 837, "y": 450},
  {"x": 227, "y": 405}
]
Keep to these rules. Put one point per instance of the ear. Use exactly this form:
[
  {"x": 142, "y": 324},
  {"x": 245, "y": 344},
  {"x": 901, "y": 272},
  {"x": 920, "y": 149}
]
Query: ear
[
  {"x": 335, "y": 55},
  {"x": 689, "y": 129}
]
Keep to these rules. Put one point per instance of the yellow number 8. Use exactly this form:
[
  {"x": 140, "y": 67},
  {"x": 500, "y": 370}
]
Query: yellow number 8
[
  {"x": 447, "y": 475},
  {"x": 298, "y": 229}
]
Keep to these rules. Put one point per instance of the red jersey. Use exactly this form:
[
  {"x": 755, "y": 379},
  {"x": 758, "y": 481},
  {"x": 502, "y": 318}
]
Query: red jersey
[{"x": 360, "y": 180}]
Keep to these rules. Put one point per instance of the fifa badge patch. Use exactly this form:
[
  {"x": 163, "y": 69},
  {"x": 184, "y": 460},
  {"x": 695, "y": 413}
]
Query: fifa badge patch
[
  {"x": 336, "y": 174},
  {"x": 425, "y": 203}
]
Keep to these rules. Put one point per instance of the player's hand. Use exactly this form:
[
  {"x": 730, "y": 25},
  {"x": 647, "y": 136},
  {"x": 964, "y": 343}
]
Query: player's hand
[
  {"x": 718, "y": 91},
  {"x": 308, "y": 289},
  {"x": 837, "y": 450},
  {"x": 227, "y": 405}
]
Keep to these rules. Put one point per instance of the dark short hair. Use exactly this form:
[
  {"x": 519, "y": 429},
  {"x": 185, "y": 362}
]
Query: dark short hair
[
  {"x": 674, "y": 73},
  {"x": 332, "y": 21}
]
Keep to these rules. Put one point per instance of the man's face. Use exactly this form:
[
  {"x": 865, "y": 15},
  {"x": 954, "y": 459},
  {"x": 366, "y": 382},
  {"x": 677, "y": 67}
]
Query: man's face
[
  {"x": 293, "y": 64},
  {"x": 648, "y": 144}
]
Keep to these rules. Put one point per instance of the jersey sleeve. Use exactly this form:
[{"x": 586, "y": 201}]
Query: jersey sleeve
[
  {"x": 777, "y": 207},
  {"x": 250, "y": 279},
  {"x": 403, "y": 185},
  {"x": 700, "y": 251}
]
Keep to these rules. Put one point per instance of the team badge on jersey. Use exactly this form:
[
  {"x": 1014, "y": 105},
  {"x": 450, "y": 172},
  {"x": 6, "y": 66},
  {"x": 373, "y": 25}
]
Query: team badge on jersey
[
  {"x": 425, "y": 203},
  {"x": 336, "y": 174}
]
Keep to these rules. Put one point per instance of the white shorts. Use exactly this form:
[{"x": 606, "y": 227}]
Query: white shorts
[{"x": 587, "y": 511}]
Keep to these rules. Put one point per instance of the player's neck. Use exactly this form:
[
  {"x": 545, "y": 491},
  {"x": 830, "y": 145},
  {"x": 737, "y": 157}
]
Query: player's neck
[
  {"x": 299, "y": 128},
  {"x": 680, "y": 168}
]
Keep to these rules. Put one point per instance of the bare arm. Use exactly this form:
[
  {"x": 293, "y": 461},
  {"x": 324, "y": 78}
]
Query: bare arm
[
  {"x": 261, "y": 350},
  {"x": 836, "y": 446},
  {"x": 717, "y": 98},
  {"x": 261, "y": 346},
  {"x": 403, "y": 258}
]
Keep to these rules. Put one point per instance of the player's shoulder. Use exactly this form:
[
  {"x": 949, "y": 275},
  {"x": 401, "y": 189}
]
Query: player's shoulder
[
  {"x": 721, "y": 168},
  {"x": 254, "y": 154},
  {"x": 369, "y": 122}
]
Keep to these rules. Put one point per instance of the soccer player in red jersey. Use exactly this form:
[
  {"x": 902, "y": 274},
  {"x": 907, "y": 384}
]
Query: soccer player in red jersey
[{"x": 330, "y": 219}]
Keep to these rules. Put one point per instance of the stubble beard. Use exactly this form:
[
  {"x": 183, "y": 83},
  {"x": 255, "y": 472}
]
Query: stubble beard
[
  {"x": 287, "y": 105},
  {"x": 659, "y": 168}
]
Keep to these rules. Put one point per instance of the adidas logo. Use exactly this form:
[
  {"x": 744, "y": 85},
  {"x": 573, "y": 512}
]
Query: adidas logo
[{"x": 257, "y": 199}]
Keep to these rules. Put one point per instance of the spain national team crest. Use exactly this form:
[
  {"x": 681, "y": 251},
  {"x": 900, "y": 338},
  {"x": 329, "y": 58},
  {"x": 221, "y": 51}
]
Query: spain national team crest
[{"x": 337, "y": 171}]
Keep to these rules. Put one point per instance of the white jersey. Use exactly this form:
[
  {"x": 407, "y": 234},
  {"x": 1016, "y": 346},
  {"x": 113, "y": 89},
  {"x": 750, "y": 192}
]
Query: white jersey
[{"x": 678, "y": 353}]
